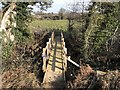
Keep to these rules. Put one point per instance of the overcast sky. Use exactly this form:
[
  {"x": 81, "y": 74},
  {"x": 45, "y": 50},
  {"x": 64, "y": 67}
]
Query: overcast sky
[
  {"x": 60, "y": 3},
  {"x": 0, "y": 6},
  {"x": 57, "y": 4}
]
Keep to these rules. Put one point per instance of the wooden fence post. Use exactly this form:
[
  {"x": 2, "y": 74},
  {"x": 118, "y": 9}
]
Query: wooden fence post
[
  {"x": 50, "y": 43},
  {"x": 44, "y": 59},
  {"x": 48, "y": 49},
  {"x": 65, "y": 57},
  {"x": 61, "y": 35},
  {"x": 65, "y": 62},
  {"x": 52, "y": 37},
  {"x": 63, "y": 40}
]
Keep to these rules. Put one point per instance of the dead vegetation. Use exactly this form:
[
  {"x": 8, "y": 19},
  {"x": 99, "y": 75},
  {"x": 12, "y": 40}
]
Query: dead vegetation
[
  {"x": 90, "y": 79},
  {"x": 20, "y": 78},
  {"x": 24, "y": 68}
]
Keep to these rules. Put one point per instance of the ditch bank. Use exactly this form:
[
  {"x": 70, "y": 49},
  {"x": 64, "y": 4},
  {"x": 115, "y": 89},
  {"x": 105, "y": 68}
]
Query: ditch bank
[{"x": 24, "y": 68}]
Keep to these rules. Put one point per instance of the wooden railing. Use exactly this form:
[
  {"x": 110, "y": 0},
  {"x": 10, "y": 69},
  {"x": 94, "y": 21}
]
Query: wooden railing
[
  {"x": 64, "y": 52},
  {"x": 46, "y": 51},
  {"x": 65, "y": 57}
]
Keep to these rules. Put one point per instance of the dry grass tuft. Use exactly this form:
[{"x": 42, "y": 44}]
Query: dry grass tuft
[{"x": 19, "y": 78}]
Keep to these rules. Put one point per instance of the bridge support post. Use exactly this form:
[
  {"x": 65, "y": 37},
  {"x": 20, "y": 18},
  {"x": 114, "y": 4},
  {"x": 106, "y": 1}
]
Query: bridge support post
[
  {"x": 44, "y": 59},
  {"x": 50, "y": 43},
  {"x": 52, "y": 37},
  {"x": 65, "y": 62},
  {"x": 65, "y": 57},
  {"x": 48, "y": 50}
]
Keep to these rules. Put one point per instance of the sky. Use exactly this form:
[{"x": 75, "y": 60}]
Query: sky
[
  {"x": 57, "y": 4},
  {"x": 0, "y": 6}
]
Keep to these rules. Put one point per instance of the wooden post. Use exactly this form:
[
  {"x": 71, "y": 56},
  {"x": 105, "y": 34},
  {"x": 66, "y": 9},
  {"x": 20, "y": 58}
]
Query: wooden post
[
  {"x": 65, "y": 51},
  {"x": 63, "y": 45},
  {"x": 48, "y": 50},
  {"x": 50, "y": 43},
  {"x": 44, "y": 59},
  {"x": 63, "y": 40},
  {"x": 65, "y": 62},
  {"x": 61, "y": 35},
  {"x": 52, "y": 37},
  {"x": 65, "y": 57}
]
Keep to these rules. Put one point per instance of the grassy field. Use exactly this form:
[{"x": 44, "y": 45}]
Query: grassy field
[{"x": 48, "y": 24}]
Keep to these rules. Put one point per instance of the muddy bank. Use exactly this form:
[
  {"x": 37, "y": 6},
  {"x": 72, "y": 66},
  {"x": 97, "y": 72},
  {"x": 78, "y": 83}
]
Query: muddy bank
[{"x": 24, "y": 67}]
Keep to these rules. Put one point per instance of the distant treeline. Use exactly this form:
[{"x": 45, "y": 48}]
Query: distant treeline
[{"x": 56, "y": 16}]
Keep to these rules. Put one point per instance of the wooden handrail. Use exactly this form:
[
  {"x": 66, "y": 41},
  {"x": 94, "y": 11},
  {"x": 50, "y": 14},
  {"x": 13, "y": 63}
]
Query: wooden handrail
[
  {"x": 64, "y": 52},
  {"x": 67, "y": 58},
  {"x": 46, "y": 51}
]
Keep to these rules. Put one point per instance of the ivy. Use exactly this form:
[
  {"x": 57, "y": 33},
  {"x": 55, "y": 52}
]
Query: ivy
[
  {"x": 100, "y": 29},
  {"x": 22, "y": 18}
]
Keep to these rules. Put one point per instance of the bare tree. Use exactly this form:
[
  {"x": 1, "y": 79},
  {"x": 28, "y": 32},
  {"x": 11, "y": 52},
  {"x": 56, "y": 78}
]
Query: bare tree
[{"x": 76, "y": 9}]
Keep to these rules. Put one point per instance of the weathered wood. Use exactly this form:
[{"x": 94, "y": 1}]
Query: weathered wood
[
  {"x": 57, "y": 64},
  {"x": 100, "y": 72},
  {"x": 63, "y": 44},
  {"x": 65, "y": 50},
  {"x": 55, "y": 75},
  {"x": 48, "y": 49},
  {"x": 52, "y": 37},
  {"x": 62, "y": 39},
  {"x": 50, "y": 41},
  {"x": 65, "y": 62},
  {"x": 44, "y": 59},
  {"x": 61, "y": 35}
]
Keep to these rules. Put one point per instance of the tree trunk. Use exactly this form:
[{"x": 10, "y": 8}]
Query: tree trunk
[{"x": 6, "y": 24}]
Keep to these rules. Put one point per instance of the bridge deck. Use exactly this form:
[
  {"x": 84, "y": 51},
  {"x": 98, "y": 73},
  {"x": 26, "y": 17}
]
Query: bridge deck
[{"x": 54, "y": 76}]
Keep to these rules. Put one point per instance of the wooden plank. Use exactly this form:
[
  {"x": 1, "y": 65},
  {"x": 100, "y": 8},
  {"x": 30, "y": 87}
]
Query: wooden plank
[
  {"x": 55, "y": 76},
  {"x": 44, "y": 59},
  {"x": 101, "y": 72}
]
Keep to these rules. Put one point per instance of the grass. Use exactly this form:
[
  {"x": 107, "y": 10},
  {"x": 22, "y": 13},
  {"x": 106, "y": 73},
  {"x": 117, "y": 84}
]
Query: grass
[{"x": 49, "y": 24}]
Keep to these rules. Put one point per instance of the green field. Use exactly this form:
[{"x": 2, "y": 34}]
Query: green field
[{"x": 48, "y": 24}]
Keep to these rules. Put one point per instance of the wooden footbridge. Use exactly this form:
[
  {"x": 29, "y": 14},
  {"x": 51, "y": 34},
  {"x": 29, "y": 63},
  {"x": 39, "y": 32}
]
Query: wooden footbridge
[{"x": 55, "y": 62}]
